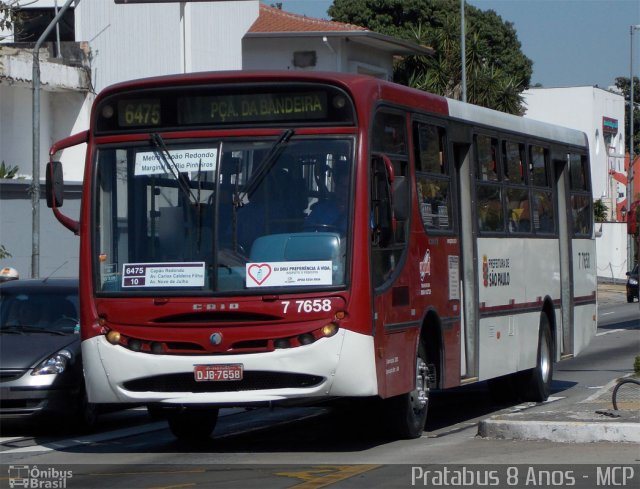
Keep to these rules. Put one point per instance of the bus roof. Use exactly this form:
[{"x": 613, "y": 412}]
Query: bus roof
[
  {"x": 365, "y": 88},
  {"x": 501, "y": 120}
]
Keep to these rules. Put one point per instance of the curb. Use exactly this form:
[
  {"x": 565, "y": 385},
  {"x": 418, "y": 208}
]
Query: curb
[
  {"x": 560, "y": 431},
  {"x": 582, "y": 424}
]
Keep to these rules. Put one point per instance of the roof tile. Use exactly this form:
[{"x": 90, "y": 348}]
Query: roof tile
[{"x": 272, "y": 19}]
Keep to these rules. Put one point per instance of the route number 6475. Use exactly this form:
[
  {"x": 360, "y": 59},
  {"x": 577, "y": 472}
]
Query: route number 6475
[{"x": 309, "y": 305}]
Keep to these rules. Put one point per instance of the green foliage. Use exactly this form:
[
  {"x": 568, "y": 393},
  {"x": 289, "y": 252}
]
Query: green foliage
[
  {"x": 497, "y": 70},
  {"x": 4, "y": 253},
  {"x": 636, "y": 365},
  {"x": 624, "y": 84},
  {"x": 8, "y": 172},
  {"x": 6, "y": 14},
  {"x": 600, "y": 211}
]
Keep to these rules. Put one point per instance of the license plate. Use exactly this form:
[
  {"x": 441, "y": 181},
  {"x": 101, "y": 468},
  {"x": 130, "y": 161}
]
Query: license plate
[{"x": 217, "y": 373}]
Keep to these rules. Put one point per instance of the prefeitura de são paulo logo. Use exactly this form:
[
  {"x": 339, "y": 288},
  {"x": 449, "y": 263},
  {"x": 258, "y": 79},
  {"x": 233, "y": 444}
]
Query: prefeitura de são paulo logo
[{"x": 38, "y": 478}]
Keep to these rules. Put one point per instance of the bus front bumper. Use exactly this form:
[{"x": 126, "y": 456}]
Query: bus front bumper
[{"x": 342, "y": 365}]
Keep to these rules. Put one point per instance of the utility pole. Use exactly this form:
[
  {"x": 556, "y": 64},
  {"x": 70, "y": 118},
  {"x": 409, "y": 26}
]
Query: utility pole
[
  {"x": 463, "y": 52},
  {"x": 35, "y": 162},
  {"x": 630, "y": 244}
]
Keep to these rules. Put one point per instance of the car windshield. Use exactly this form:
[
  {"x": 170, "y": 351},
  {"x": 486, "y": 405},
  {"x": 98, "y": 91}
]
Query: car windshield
[
  {"x": 228, "y": 216},
  {"x": 47, "y": 310}
]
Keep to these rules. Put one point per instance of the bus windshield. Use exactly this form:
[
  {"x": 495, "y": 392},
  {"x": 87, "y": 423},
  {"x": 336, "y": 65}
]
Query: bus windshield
[{"x": 222, "y": 215}]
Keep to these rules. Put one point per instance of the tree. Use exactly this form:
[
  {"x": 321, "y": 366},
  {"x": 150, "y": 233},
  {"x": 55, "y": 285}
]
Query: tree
[
  {"x": 624, "y": 84},
  {"x": 6, "y": 172},
  {"x": 7, "y": 14},
  {"x": 497, "y": 70},
  {"x": 600, "y": 211}
]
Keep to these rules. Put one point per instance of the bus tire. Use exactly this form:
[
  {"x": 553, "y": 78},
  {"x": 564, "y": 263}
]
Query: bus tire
[
  {"x": 192, "y": 425},
  {"x": 408, "y": 412},
  {"x": 535, "y": 384}
]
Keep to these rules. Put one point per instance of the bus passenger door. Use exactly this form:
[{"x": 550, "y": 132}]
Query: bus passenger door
[
  {"x": 395, "y": 322},
  {"x": 559, "y": 162},
  {"x": 463, "y": 163}
]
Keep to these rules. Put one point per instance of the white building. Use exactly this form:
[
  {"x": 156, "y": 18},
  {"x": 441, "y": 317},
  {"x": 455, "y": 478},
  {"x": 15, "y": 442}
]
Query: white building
[
  {"x": 126, "y": 41},
  {"x": 600, "y": 114}
]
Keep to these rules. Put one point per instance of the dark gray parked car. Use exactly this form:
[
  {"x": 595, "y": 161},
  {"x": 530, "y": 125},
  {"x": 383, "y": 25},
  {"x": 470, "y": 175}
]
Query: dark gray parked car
[{"x": 40, "y": 358}]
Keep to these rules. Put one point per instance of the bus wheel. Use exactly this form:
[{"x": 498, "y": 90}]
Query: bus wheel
[
  {"x": 535, "y": 384},
  {"x": 192, "y": 425},
  {"x": 408, "y": 412}
]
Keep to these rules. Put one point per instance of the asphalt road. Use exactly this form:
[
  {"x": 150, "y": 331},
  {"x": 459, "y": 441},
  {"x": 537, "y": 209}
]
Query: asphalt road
[{"x": 320, "y": 447}]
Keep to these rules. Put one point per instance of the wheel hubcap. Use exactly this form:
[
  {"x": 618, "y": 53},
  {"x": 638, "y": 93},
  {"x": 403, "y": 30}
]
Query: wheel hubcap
[
  {"x": 420, "y": 395},
  {"x": 545, "y": 361}
]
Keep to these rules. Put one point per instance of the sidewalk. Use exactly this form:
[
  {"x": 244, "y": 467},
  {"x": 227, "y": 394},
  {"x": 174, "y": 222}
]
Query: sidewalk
[
  {"x": 612, "y": 293},
  {"x": 592, "y": 420}
]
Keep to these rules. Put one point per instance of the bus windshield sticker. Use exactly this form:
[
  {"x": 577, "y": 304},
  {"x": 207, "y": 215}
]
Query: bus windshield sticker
[
  {"x": 278, "y": 274},
  {"x": 163, "y": 274},
  {"x": 186, "y": 160}
]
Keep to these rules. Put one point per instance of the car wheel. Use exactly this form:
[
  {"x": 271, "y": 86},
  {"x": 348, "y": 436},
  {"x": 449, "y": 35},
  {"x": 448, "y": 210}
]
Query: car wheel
[{"x": 87, "y": 412}]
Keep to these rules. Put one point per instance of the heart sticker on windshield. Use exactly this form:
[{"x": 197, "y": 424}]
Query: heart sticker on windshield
[{"x": 259, "y": 273}]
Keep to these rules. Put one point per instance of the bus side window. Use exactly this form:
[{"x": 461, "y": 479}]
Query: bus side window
[
  {"x": 518, "y": 209},
  {"x": 543, "y": 215},
  {"x": 388, "y": 183},
  {"x": 432, "y": 177},
  {"x": 486, "y": 158},
  {"x": 513, "y": 161},
  {"x": 581, "y": 200},
  {"x": 389, "y": 134},
  {"x": 538, "y": 166},
  {"x": 490, "y": 214},
  {"x": 489, "y": 195}
]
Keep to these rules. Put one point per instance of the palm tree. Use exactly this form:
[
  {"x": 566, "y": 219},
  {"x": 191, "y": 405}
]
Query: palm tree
[
  {"x": 600, "y": 211},
  {"x": 487, "y": 85}
]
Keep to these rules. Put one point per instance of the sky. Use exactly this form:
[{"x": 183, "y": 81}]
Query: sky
[{"x": 571, "y": 42}]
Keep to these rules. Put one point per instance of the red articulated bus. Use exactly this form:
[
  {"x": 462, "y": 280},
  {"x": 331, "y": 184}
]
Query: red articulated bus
[{"x": 262, "y": 238}]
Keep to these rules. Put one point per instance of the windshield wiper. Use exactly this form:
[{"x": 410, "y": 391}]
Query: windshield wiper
[
  {"x": 263, "y": 168},
  {"x": 20, "y": 329},
  {"x": 167, "y": 161},
  {"x": 13, "y": 329},
  {"x": 33, "y": 329},
  {"x": 170, "y": 166}
]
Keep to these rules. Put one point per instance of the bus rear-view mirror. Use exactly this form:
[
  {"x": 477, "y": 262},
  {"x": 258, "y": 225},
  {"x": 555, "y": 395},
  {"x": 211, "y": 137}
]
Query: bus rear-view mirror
[{"x": 54, "y": 184}]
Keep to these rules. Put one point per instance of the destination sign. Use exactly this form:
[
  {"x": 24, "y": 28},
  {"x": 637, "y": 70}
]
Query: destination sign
[
  {"x": 173, "y": 107},
  {"x": 224, "y": 109},
  {"x": 139, "y": 112}
]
